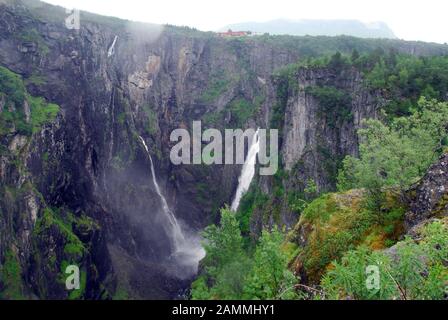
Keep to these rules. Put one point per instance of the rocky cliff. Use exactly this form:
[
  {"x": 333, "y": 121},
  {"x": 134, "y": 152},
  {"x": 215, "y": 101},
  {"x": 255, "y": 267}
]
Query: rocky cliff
[
  {"x": 76, "y": 187},
  {"x": 337, "y": 223},
  {"x": 429, "y": 198}
]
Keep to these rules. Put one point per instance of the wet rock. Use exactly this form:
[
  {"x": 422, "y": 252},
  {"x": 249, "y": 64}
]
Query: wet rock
[
  {"x": 17, "y": 143},
  {"x": 430, "y": 195},
  {"x": 2, "y": 102},
  {"x": 28, "y": 47}
]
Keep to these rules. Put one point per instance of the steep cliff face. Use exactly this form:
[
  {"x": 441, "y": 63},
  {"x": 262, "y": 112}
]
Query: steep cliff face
[
  {"x": 86, "y": 194},
  {"x": 78, "y": 189},
  {"x": 318, "y": 110},
  {"x": 429, "y": 198},
  {"x": 322, "y": 117}
]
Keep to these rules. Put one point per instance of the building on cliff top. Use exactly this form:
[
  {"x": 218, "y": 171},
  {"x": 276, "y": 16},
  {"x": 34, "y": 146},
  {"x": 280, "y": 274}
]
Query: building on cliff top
[{"x": 230, "y": 33}]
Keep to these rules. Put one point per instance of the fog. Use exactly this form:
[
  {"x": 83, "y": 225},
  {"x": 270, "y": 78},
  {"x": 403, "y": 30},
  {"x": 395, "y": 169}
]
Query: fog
[{"x": 410, "y": 20}]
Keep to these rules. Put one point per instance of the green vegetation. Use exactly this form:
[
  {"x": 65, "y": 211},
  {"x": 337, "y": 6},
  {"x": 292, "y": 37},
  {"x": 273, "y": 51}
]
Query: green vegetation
[
  {"x": 202, "y": 191},
  {"x": 50, "y": 219},
  {"x": 41, "y": 112},
  {"x": 225, "y": 264},
  {"x": 65, "y": 226},
  {"x": 78, "y": 293},
  {"x": 392, "y": 158},
  {"x": 36, "y": 79},
  {"x": 404, "y": 79},
  {"x": 218, "y": 84},
  {"x": 242, "y": 110},
  {"x": 12, "y": 86},
  {"x": 232, "y": 272},
  {"x": 15, "y": 97},
  {"x": 335, "y": 104},
  {"x": 185, "y": 31},
  {"x": 341, "y": 222},
  {"x": 397, "y": 154},
  {"x": 252, "y": 200},
  {"x": 417, "y": 271},
  {"x": 121, "y": 294},
  {"x": 345, "y": 232},
  {"x": 299, "y": 201},
  {"x": 153, "y": 121},
  {"x": 12, "y": 97},
  {"x": 284, "y": 80},
  {"x": 269, "y": 207},
  {"x": 311, "y": 46},
  {"x": 331, "y": 163},
  {"x": 270, "y": 278},
  {"x": 11, "y": 277},
  {"x": 121, "y": 118},
  {"x": 32, "y": 35},
  {"x": 401, "y": 79}
]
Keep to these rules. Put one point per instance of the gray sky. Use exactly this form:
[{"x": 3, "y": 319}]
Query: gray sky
[{"x": 409, "y": 19}]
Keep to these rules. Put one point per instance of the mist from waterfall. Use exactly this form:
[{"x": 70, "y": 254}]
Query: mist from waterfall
[
  {"x": 248, "y": 171},
  {"x": 187, "y": 247}
]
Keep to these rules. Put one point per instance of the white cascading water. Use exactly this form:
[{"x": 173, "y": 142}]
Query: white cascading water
[
  {"x": 248, "y": 171},
  {"x": 111, "y": 50},
  {"x": 187, "y": 249},
  {"x": 178, "y": 238}
]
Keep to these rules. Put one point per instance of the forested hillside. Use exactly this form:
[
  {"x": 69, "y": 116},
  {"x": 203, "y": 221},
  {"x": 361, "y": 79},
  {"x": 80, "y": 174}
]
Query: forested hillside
[{"x": 370, "y": 221}]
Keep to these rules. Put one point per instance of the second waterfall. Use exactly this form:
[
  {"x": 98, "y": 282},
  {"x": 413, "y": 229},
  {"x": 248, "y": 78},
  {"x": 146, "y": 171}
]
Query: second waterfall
[
  {"x": 248, "y": 171},
  {"x": 187, "y": 248}
]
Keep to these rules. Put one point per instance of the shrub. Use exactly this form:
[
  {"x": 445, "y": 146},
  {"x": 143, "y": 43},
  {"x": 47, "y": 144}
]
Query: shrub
[
  {"x": 417, "y": 269},
  {"x": 397, "y": 154}
]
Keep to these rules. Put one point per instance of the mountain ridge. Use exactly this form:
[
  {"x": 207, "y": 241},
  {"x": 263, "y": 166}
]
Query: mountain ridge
[{"x": 317, "y": 28}]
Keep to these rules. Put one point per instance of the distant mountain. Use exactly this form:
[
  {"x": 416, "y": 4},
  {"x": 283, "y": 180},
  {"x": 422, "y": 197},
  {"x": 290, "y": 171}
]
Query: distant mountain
[{"x": 317, "y": 28}]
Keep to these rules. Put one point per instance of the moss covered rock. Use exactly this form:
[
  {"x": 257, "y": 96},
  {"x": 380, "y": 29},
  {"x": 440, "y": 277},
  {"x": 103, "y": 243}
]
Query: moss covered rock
[{"x": 336, "y": 223}]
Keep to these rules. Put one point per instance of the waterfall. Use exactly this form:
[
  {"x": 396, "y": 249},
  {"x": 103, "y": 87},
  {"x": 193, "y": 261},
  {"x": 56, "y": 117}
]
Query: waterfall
[
  {"x": 178, "y": 238},
  {"x": 187, "y": 247},
  {"x": 111, "y": 50},
  {"x": 248, "y": 171}
]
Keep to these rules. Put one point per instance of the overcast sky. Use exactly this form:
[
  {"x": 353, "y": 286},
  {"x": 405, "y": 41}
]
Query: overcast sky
[{"x": 410, "y": 20}]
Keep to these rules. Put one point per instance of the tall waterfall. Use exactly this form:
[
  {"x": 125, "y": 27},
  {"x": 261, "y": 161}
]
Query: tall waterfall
[
  {"x": 178, "y": 238},
  {"x": 187, "y": 248},
  {"x": 248, "y": 171},
  {"x": 111, "y": 50}
]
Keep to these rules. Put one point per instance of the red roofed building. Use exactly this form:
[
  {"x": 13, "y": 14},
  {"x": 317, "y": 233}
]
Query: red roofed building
[{"x": 231, "y": 33}]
